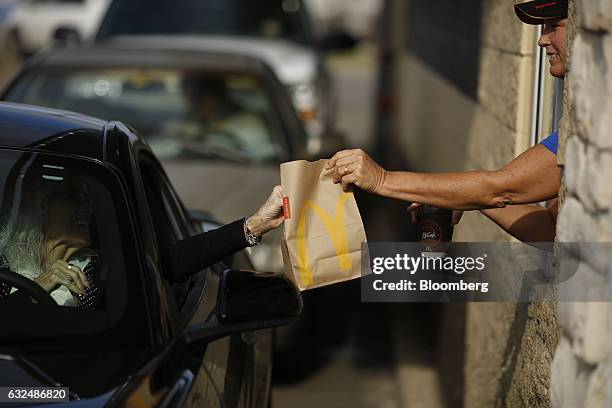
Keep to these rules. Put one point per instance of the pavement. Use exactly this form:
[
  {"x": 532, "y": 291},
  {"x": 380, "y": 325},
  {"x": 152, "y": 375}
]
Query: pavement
[
  {"x": 341, "y": 384},
  {"x": 355, "y": 79}
]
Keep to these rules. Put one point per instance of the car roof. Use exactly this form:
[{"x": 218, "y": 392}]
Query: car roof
[
  {"x": 33, "y": 127},
  {"x": 175, "y": 53}
]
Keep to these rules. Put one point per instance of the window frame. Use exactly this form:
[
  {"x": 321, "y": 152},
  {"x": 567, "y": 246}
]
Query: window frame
[
  {"x": 132, "y": 317},
  {"x": 185, "y": 296}
]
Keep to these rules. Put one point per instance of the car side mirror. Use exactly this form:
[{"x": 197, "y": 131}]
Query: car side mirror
[
  {"x": 247, "y": 301},
  {"x": 338, "y": 41},
  {"x": 248, "y": 296}
]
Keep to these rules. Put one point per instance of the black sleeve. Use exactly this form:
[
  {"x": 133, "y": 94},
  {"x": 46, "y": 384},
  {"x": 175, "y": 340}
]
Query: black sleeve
[{"x": 189, "y": 256}]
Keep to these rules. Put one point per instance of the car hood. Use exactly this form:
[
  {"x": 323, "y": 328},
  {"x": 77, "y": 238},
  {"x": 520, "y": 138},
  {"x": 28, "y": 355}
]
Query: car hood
[
  {"x": 228, "y": 191},
  {"x": 292, "y": 63}
]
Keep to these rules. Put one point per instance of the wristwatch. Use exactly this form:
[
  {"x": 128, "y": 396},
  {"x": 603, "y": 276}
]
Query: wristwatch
[{"x": 250, "y": 238}]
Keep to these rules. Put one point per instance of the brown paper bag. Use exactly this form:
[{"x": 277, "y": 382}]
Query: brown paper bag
[{"x": 323, "y": 229}]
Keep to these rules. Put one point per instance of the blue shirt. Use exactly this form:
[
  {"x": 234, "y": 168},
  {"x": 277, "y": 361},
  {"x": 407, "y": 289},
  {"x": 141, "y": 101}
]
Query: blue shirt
[{"x": 551, "y": 142}]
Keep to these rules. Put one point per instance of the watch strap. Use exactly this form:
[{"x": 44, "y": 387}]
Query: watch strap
[{"x": 250, "y": 238}]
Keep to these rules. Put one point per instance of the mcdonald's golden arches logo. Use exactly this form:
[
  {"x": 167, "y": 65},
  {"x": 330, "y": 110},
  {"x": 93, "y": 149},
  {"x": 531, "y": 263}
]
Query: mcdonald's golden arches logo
[{"x": 337, "y": 232}]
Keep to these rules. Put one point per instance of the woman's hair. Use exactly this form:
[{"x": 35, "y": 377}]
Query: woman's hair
[
  {"x": 22, "y": 235},
  {"x": 21, "y": 246}
]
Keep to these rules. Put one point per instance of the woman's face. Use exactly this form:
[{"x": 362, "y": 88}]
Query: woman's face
[
  {"x": 68, "y": 220},
  {"x": 554, "y": 41}
]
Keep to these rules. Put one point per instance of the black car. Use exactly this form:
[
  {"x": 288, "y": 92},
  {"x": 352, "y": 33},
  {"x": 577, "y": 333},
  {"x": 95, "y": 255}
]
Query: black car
[
  {"x": 147, "y": 339},
  {"x": 150, "y": 85}
]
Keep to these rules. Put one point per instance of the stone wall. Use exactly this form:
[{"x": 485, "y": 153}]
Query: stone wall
[
  {"x": 464, "y": 87},
  {"x": 581, "y": 375}
]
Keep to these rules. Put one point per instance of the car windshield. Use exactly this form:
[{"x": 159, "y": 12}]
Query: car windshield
[
  {"x": 60, "y": 241},
  {"x": 262, "y": 18},
  {"x": 181, "y": 114}
]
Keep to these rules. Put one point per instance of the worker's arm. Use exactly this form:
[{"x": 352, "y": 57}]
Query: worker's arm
[
  {"x": 528, "y": 223},
  {"x": 531, "y": 177}
]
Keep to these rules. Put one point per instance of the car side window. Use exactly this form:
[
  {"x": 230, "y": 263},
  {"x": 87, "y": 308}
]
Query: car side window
[
  {"x": 65, "y": 234},
  {"x": 170, "y": 220},
  {"x": 166, "y": 221}
]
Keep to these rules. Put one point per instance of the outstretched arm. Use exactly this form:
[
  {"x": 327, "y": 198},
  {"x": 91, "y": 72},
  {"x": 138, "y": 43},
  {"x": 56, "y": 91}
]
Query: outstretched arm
[
  {"x": 528, "y": 223},
  {"x": 531, "y": 177},
  {"x": 189, "y": 256}
]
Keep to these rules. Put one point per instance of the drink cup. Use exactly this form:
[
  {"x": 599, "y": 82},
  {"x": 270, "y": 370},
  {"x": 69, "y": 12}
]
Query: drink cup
[{"x": 435, "y": 230}]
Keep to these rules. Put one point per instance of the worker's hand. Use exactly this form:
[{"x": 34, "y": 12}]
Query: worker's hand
[
  {"x": 412, "y": 210},
  {"x": 63, "y": 273},
  {"x": 356, "y": 167},
  {"x": 269, "y": 215}
]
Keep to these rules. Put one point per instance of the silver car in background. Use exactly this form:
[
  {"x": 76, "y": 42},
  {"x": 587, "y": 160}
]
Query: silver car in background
[
  {"x": 33, "y": 25},
  {"x": 278, "y": 32}
]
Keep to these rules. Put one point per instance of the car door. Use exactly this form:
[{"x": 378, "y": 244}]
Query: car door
[{"x": 228, "y": 361}]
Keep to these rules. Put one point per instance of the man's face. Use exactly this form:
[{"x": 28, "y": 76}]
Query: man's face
[{"x": 554, "y": 40}]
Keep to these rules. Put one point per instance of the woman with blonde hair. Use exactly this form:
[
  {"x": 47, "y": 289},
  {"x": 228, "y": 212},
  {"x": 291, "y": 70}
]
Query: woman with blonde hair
[{"x": 49, "y": 242}]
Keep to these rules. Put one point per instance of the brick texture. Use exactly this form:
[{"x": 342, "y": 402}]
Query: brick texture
[{"x": 581, "y": 371}]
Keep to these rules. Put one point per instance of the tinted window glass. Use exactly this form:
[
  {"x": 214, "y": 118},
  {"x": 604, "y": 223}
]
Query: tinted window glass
[
  {"x": 180, "y": 114},
  {"x": 60, "y": 223},
  {"x": 171, "y": 223}
]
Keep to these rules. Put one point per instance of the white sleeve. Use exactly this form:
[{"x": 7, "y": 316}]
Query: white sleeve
[{"x": 63, "y": 296}]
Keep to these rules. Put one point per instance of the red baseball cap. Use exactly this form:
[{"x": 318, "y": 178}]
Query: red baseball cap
[{"x": 541, "y": 11}]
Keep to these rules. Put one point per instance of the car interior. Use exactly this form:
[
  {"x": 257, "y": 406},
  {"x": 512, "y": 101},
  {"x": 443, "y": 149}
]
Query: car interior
[{"x": 85, "y": 231}]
